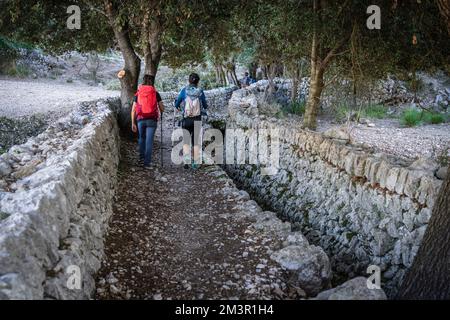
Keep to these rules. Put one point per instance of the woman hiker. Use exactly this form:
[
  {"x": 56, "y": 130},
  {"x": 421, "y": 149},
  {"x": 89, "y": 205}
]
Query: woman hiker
[
  {"x": 192, "y": 103},
  {"x": 147, "y": 107}
]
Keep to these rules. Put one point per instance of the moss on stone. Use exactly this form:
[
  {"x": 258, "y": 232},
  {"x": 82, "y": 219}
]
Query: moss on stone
[{"x": 3, "y": 215}]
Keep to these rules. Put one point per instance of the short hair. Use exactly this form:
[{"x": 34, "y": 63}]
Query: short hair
[
  {"x": 194, "y": 79},
  {"x": 247, "y": 74},
  {"x": 149, "y": 80}
]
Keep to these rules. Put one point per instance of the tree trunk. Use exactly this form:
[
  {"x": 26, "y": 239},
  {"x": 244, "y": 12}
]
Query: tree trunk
[
  {"x": 444, "y": 9},
  {"x": 252, "y": 70},
  {"x": 316, "y": 86},
  {"x": 429, "y": 276},
  {"x": 132, "y": 66},
  {"x": 295, "y": 83},
  {"x": 153, "y": 49},
  {"x": 312, "y": 106}
]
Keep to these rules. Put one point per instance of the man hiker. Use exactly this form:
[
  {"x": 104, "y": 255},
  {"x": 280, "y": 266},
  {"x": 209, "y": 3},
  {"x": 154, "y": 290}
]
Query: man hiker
[
  {"x": 192, "y": 103},
  {"x": 147, "y": 107},
  {"x": 247, "y": 80}
]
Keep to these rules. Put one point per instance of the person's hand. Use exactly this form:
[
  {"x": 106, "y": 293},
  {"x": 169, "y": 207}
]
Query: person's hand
[{"x": 134, "y": 128}]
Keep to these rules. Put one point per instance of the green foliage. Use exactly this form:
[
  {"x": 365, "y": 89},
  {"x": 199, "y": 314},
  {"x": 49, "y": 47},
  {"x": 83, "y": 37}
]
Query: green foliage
[
  {"x": 375, "y": 112},
  {"x": 433, "y": 118},
  {"x": 414, "y": 117},
  {"x": 343, "y": 112},
  {"x": 296, "y": 107},
  {"x": 411, "y": 118},
  {"x": 19, "y": 71}
]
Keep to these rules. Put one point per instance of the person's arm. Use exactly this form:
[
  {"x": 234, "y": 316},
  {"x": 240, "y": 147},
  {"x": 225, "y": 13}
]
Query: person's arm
[
  {"x": 133, "y": 118},
  {"x": 160, "y": 103},
  {"x": 180, "y": 99},
  {"x": 203, "y": 100},
  {"x": 161, "y": 107}
]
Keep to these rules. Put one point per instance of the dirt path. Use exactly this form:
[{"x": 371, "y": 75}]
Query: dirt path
[{"x": 174, "y": 235}]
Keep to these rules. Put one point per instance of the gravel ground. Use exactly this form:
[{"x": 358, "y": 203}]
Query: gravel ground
[
  {"x": 388, "y": 136},
  {"x": 408, "y": 143},
  {"x": 27, "y": 97},
  {"x": 184, "y": 243}
]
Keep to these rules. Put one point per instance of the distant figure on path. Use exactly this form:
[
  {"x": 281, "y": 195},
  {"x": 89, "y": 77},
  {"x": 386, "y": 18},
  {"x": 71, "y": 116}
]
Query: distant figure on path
[
  {"x": 146, "y": 110},
  {"x": 192, "y": 103},
  {"x": 247, "y": 80}
]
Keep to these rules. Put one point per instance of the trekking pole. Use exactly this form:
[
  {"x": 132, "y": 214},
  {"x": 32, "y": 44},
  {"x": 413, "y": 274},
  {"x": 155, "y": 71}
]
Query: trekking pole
[
  {"x": 174, "y": 122},
  {"x": 161, "y": 146}
]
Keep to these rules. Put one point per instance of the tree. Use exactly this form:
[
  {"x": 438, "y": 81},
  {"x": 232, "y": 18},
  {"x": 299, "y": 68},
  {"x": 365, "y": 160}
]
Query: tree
[
  {"x": 429, "y": 276},
  {"x": 145, "y": 30}
]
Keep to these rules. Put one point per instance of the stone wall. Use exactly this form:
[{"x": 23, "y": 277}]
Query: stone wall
[
  {"x": 56, "y": 196},
  {"x": 362, "y": 208}
]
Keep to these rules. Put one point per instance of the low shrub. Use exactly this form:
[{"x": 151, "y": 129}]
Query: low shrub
[
  {"x": 411, "y": 118},
  {"x": 433, "y": 118},
  {"x": 296, "y": 107},
  {"x": 375, "y": 112}
]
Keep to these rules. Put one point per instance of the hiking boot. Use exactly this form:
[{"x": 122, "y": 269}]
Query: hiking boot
[
  {"x": 187, "y": 162},
  {"x": 195, "y": 166}
]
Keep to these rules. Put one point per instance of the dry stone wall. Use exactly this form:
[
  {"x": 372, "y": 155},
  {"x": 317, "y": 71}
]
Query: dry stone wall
[
  {"x": 362, "y": 208},
  {"x": 56, "y": 195}
]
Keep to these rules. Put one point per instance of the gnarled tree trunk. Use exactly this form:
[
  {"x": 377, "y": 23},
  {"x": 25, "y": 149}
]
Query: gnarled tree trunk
[
  {"x": 429, "y": 276},
  {"x": 444, "y": 8},
  {"x": 152, "y": 31},
  {"x": 132, "y": 66}
]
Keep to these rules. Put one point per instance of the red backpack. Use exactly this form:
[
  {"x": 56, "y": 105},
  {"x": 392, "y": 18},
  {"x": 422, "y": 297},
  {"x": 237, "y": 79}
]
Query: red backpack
[{"x": 147, "y": 103}]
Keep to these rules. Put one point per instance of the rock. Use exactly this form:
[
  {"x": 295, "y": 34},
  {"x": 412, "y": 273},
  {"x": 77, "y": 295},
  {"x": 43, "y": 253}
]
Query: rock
[
  {"x": 27, "y": 170},
  {"x": 441, "y": 173},
  {"x": 295, "y": 239},
  {"x": 157, "y": 297},
  {"x": 337, "y": 133},
  {"x": 269, "y": 222},
  {"x": 309, "y": 265},
  {"x": 5, "y": 168},
  {"x": 424, "y": 164},
  {"x": 355, "y": 289}
]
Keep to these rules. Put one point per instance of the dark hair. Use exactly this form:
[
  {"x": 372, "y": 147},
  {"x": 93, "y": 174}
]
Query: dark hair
[
  {"x": 149, "y": 80},
  {"x": 194, "y": 79},
  {"x": 247, "y": 74}
]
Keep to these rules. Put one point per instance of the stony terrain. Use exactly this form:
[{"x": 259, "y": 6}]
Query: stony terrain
[
  {"x": 27, "y": 107},
  {"x": 200, "y": 237},
  {"x": 180, "y": 234},
  {"x": 21, "y": 98},
  {"x": 388, "y": 136},
  {"x": 362, "y": 206}
]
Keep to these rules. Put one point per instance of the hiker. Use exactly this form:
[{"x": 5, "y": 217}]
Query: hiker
[
  {"x": 247, "y": 80},
  {"x": 192, "y": 103},
  {"x": 147, "y": 107}
]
